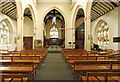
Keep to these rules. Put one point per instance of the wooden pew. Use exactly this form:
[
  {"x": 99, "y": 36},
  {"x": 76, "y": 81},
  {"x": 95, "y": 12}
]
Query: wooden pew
[
  {"x": 100, "y": 76},
  {"x": 18, "y": 67},
  {"x": 34, "y": 59},
  {"x": 14, "y": 77},
  {"x": 93, "y": 65},
  {"x": 71, "y": 59}
]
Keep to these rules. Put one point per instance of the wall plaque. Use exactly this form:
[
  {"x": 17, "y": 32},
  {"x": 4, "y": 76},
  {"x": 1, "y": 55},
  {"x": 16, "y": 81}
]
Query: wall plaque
[{"x": 116, "y": 39}]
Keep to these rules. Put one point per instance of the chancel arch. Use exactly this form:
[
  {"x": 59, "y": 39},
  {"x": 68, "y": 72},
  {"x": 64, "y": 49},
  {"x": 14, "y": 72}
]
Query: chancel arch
[{"x": 54, "y": 18}]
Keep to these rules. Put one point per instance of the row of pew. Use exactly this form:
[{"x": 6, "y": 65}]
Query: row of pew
[
  {"x": 20, "y": 66},
  {"x": 93, "y": 65}
]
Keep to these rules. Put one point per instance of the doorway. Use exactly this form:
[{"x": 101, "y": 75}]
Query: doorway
[{"x": 28, "y": 42}]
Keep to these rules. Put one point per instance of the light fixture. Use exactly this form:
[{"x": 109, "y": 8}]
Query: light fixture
[{"x": 18, "y": 36}]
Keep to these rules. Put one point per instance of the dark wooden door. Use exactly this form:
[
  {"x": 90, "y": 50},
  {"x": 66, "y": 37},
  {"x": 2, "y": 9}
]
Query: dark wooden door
[{"x": 28, "y": 42}]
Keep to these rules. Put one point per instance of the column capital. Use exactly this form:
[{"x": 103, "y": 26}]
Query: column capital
[
  {"x": 19, "y": 17},
  {"x": 89, "y": 17}
]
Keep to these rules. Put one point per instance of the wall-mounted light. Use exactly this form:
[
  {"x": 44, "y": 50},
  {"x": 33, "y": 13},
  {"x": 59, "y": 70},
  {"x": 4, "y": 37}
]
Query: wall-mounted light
[
  {"x": 34, "y": 34},
  {"x": 18, "y": 36},
  {"x": 88, "y": 36}
]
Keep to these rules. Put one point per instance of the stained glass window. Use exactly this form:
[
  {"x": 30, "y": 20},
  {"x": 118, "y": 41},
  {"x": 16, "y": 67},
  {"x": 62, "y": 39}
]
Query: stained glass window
[
  {"x": 4, "y": 33},
  {"x": 103, "y": 34},
  {"x": 54, "y": 20},
  {"x": 53, "y": 32}
]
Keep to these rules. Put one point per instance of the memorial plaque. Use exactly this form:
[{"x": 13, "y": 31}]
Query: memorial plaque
[{"x": 116, "y": 39}]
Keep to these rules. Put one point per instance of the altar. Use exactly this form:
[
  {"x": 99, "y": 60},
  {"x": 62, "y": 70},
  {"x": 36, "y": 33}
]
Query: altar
[{"x": 54, "y": 41}]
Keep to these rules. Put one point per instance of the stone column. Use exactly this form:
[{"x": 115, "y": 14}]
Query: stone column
[
  {"x": 20, "y": 33},
  {"x": 68, "y": 37},
  {"x": 87, "y": 33}
]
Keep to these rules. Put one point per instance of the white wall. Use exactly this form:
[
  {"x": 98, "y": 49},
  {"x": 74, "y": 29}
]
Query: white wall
[
  {"x": 13, "y": 23},
  {"x": 27, "y": 27},
  {"x": 64, "y": 8},
  {"x": 111, "y": 19}
]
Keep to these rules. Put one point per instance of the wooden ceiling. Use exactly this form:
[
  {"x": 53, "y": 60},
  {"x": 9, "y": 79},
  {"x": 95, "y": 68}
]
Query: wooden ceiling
[
  {"x": 99, "y": 8},
  {"x": 53, "y": 13},
  {"x": 102, "y": 7},
  {"x": 80, "y": 14},
  {"x": 8, "y": 7},
  {"x": 28, "y": 13}
]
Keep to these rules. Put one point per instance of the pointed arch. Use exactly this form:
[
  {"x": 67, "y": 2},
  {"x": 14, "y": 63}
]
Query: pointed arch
[
  {"x": 10, "y": 30},
  {"x": 101, "y": 33},
  {"x": 75, "y": 14},
  {"x": 58, "y": 9},
  {"x": 32, "y": 13}
]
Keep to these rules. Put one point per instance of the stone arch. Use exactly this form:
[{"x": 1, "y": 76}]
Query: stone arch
[
  {"x": 79, "y": 7},
  {"x": 75, "y": 14},
  {"x": 32, "y": 13},
  {"x": 58, "y": 9},
  {"x": 47, "y": 11}
]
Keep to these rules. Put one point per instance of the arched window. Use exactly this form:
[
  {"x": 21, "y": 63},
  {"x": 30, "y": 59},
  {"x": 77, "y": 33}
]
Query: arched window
[
  {"x": 4, "y": 33},
  {"x": 53, "y": 32},
  {"x": 103, "y": 33}
]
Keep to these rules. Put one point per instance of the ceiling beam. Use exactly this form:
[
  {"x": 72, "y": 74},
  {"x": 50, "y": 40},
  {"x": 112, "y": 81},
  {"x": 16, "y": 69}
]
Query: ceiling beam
[
  {"x": 2, "y": 2},
  {"x": 51, "y": 18},
  {"x": 6, "y": 7},
  {"x": 96, "y": 11},
  {"x": 11, "y": 10},
  {"x": 5, "y": 4},
  {"x": 94, "y": 4},
  {"x": 114, "y": 4},
  {"x": 102, "y": 7},
  {"x": 105, "y": 5},
  {"x": 108, "y": 3},
  {"x": 8, "y": 15},
  {"x": 28, "y": 16},
  {"x": 78, "y": 16}
]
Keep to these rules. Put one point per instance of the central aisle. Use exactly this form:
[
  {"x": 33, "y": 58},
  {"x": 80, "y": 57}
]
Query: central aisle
[{"x": 54, "y": 68}]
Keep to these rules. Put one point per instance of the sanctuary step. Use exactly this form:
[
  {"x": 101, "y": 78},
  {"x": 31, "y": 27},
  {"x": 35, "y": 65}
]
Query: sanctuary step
[{"x": 54, "y": 49}]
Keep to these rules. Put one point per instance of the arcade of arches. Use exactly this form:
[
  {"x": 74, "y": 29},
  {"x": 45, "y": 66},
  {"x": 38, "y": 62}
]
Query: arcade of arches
[
  {"x": 76, "y": 22},
  {"x": 90, "y": 25}
]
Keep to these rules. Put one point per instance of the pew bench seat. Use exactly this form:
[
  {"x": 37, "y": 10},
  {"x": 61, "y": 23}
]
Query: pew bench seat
[
  {"x": 25, "y": 79},
  {"x": 91, "y": 79},
  {"x": 116, "y": 78},
  {"x": 101, "y": 78},
  {"x": 97, "y": 79},
  {"x": 13, "y": 78}
]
